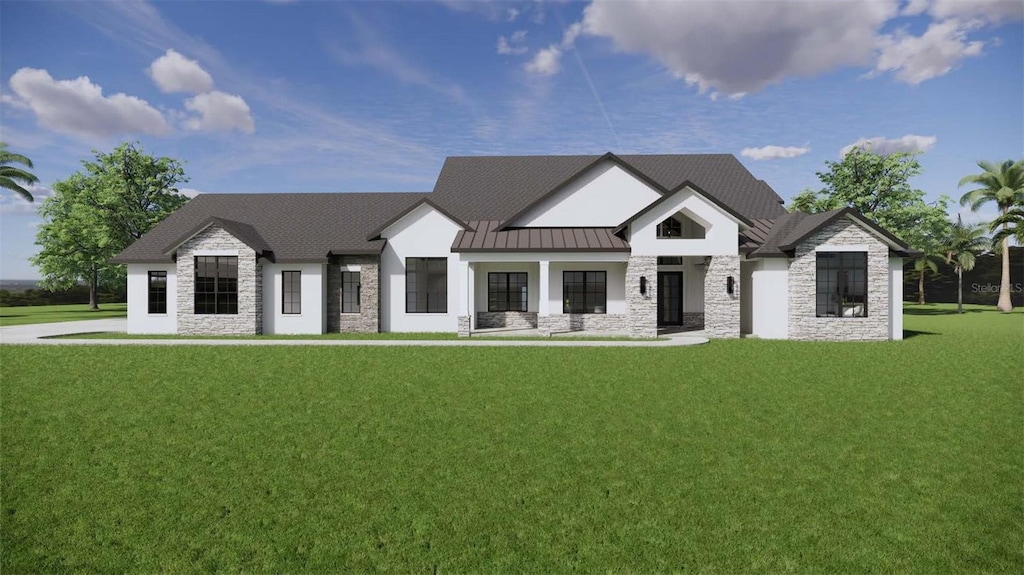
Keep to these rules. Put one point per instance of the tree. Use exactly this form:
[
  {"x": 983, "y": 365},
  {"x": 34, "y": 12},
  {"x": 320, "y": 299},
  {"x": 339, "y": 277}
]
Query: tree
[
  {"x": 13, "y": 178},
  {"x": 878, "y": 186},
  {"x": 96, "y": 213},
  {"x": 962, "y": 248},
  {"x": 1008, "y": 225},
  {"x": 1004, "y": 186}
]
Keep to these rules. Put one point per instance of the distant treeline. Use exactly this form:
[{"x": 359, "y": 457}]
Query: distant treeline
[
  {"x": 78, "y": 294},
  {"x": 981, "y": 285}
]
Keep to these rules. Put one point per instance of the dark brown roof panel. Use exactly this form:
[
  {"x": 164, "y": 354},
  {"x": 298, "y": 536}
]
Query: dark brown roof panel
[{"x": 490, "y": 238}]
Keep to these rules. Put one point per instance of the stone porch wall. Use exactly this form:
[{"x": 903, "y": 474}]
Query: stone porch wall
[
  {"x": 249, "y": 319},
  {"x": 616, "y": 323},
  {"x": 368, "y": 318},
  {"x": 642, "y": 309},
  {"x": 721, "y": 309},
  {"x": 510, "y": 319},
  {"x": 693, "y": 321},
  {"x": 803, "y": 322}
]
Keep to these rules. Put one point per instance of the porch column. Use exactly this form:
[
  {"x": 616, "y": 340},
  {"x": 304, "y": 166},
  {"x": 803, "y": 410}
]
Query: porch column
[
  {"x": 544, "y": 303},
  {"x": 467, "y": 293}
]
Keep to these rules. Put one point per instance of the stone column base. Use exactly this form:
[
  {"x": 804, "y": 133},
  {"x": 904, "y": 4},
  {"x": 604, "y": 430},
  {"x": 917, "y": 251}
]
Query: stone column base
[{"x": 464, "y": 322}]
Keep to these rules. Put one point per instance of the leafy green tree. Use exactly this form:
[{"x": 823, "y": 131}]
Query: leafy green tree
[
  {"x": 878, "y": 186},
  {"x": 96, "y": 213},
  {"x": 13, "y": 178},
  {"x": 1002, "y": 185},
  {"x": 962, "y": 248}
]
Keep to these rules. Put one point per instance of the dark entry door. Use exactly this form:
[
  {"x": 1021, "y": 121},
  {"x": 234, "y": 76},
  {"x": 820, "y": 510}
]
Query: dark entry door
[{"x": 670, "y": 298}]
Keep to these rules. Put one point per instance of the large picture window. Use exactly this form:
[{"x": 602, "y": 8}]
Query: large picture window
[
  {"x": 506, "y": 291},
  {"x": 216, "y": 287},
  {"x": 157, "y": 292},
  {"x": 584, "y": 292},
  {"x": 349, "y": 292},
  {"x": 291, "y": 292},
  {"x": 842, "y": 284},
  {"x": 426, "y": 285}
]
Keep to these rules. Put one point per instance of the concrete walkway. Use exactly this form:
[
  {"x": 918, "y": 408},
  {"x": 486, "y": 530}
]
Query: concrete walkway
[{"x": 36, "y": 334}]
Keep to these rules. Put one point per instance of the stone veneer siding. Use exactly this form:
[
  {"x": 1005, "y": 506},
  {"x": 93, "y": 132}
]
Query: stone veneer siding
[
  {"x": 617, "y": 323},
  {"x": 722, "y": 310},
  {"x": 642, "y": 309},
  {"x": 803, "y": 322},
  {"x": 510, "y": 319},
  {"x": 693, "y": 321},
  {"x": 368, "y": 318},
  {"x": 249, "y": 319},
  {"x": 463, "y": 326}
]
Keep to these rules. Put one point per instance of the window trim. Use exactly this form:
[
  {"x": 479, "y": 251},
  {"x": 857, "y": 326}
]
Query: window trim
[
  {"x": 216, "y": 284},
  {"x": 841, "y": 268},
  {"x": 149, "y": 291},
  {"x": 426, "y": 260},
  {"x": 604, "y": 291},
  {"x": 284, "y": 293},
  {"x": 359, "y": 286},
  {"x": 508, "y": 292}
]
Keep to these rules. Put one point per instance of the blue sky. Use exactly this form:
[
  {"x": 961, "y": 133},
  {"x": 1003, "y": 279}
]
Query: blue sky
[{"x": 360, "y": 96}]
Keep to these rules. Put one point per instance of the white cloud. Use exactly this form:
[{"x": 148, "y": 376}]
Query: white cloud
[
  {"x": 773, "y": 152},
  {"x": 546, "y": 62},
  {"x": 914, "y": 59},
  {"x": 880, "y": 145},
  {"x": 13, "y": 204},
  {"x": 735, "y": 47},
  {"x": 512, "y": 14},
  {"x": 514, "y": 44},
  {"x": 173, "y": 72},
  {"x": 79, "y": 107},
  {"x": 189, "y": 192},
  {"x": 219, "y": 112}
]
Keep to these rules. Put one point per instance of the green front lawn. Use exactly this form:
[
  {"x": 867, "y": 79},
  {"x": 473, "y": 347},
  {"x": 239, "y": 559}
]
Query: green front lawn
[
  {"x": 21, "y": 315},
  {"x": 745, "y": 455}
]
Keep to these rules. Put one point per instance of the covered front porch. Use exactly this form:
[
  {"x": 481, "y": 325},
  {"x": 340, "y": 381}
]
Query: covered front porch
[{"x": 589, "y": 293}]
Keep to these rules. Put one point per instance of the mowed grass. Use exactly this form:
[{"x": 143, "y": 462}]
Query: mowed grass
[
  {"x": 401, "y": 336},
  {"x": 23, "y": 315},
  {"x": 735, "y": 456}
]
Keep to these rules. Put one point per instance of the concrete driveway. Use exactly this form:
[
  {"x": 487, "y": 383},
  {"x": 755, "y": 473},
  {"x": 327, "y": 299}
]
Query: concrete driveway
[{"x": 36, "y": 334}]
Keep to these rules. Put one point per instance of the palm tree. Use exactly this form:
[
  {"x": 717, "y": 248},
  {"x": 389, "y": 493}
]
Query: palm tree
[
  {"x": 927, "y": 262},
  {"x": 10, "y": 176},
  {"x": 1004, "y": 185},
  {"x": 1012, "y": 224},
  {"x": 964, "y": 244}
]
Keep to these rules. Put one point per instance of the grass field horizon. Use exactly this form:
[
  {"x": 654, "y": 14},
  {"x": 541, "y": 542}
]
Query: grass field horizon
[
  {"x": 735, "y": 456},
  {"x": 31, "y": 314}
]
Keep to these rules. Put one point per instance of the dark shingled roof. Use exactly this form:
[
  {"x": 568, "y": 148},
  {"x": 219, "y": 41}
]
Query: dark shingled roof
[
  {"x": 774, "y": 237},
  {"x": 502, "y": 187},
  {"x": 308, "y": 227},
  {"x": 296, "y": 227},
  {"x": 486, "y": 236}
]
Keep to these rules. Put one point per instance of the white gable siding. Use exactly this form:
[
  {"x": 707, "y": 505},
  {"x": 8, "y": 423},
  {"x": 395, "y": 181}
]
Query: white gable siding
[
  {"x": 769, "y": 291},
  {"x": 139, "y": 318},
  {"x": 604, "y": 196},
  {"x": 423, "y": 232},
  {"x": 721, "y": 230}
]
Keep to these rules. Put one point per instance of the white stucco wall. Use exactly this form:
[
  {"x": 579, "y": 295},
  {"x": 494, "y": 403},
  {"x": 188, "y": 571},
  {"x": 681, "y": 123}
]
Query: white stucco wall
[
  {"x": 423, "y": 232},
  {"x": 604, "y": 196},
  {"x": 312, "y": 318},
  {"x": 770, "y": 298},
  {"x": 139, "y": 318},
  {"x": 721, "y": 229},
  {"x": 532, "y": 282},
  {"x": 895, "y": 298}
]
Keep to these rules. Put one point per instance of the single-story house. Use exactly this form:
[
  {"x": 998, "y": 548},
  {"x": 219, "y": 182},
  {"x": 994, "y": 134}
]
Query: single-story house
[{"x": 610, "y": 243}]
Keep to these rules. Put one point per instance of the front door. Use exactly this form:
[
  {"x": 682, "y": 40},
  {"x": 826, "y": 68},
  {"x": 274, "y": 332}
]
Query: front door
[{"x": 670, "y": 298}]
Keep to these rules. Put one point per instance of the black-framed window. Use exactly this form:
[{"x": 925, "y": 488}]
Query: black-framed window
[
  {"x": 670, "y": 260},
  {"x": 291, "y": 292},
  {"x": 349, "y": 292},
  {"x": 585, "y": 292},
  {"x": 670, "y": 228},
  {"x": 216, "y": 286},
  {"x": 842, "y": 284},
  {"x": 506, "y": 291},
  {"x": 426, "y": 285},
  {"x": 157, "y": 292}
]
